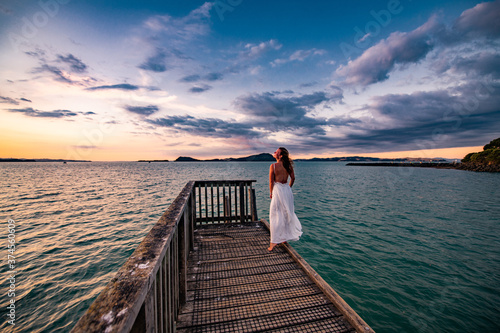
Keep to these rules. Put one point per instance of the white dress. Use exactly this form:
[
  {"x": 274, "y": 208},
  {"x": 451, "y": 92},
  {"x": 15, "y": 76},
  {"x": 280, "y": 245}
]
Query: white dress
[{"x": 285, "y": 226}]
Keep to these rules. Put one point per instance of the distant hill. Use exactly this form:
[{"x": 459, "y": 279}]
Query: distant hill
[
  {"x": 186, "y": 159},
  {"x": 251, "y": 158},
  {"x": 266, "y": 157}
]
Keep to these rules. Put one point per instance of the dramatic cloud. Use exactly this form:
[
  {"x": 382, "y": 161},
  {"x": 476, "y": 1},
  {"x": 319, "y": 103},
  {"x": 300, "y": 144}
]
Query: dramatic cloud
[
  {"x": 142, "y": 110},
  {"x": 266, "y": 113},
  {"x": 455, "y": 117},
  {"x": 376, "y": 62},
  {"x": 401, "y": 48},
  {"x": 276, "y": 111},
  {"x": 439, "y": 134},
  {"x": 481, "y": 20},
  {"x": 273, "y": 104},
  {"x": 76, "y": 65},
  {"x": 480, "y": 64},
  {"x": 208, "y": 127},
  {"x": 122, "y": 86}
]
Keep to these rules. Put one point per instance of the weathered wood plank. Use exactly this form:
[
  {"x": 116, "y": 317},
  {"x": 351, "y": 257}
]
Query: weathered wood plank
[
  {"x": 235, "y": 284},
  {"x": 272, "y": 321},
  {"x": 354, "y": 319}
]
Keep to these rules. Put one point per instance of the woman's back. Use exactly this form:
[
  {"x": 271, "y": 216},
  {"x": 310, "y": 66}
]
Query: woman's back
[{"x": 280, "y": 173}]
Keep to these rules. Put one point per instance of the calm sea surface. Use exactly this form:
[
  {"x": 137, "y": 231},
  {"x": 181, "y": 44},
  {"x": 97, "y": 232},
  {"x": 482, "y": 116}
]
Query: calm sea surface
[{"x": 411, "y": 250}]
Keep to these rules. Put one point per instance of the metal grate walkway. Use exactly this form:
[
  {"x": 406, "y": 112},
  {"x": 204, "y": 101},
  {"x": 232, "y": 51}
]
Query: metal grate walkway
[{"x": 236, "y": 285}]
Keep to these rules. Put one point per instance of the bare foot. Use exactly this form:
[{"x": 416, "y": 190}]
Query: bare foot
[{"x": 270, "y": 248}]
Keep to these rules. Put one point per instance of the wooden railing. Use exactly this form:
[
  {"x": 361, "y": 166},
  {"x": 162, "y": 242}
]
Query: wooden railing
[
  {"x": 148, "y": 290},
  {"x": 223, "y": 201}
]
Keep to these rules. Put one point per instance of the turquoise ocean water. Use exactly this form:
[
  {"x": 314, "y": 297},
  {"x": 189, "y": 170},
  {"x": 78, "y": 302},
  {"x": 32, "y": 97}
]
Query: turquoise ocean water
[{"x": 411, "y": 250}]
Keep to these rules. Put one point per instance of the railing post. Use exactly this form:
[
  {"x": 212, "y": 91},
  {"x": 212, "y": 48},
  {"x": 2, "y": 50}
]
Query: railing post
[
  {"x": 242, "y": 202},
  {"x": 199, "y": 201},
  {"x": 149, "y": 310},
  {"x": 227, "y": 210},
  {"x": 253, "y": 206},
  {"x": 192, "y": 217},
  {"x": 183, "y": 229}
]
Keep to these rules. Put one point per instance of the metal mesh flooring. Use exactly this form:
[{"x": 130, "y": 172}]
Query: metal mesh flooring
[{"x": 236, "y": 285}]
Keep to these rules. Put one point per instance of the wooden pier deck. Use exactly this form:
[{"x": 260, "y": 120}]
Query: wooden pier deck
[
  {"x": 236, "y": 285},
  {"x": 204, "y": 267}
]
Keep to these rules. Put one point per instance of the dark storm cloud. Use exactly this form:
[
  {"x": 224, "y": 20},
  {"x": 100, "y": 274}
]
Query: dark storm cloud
[
  {"x": 142, "y": 110},
  {"x": 461, "y": 116},
  {"x": 463, "y": 131}
]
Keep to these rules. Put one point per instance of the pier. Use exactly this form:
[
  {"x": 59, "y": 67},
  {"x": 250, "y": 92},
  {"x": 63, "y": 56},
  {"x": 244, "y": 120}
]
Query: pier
[{"x": 204, "y": 267}]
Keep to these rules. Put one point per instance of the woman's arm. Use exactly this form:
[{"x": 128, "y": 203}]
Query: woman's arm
[
  {"x": 292, "y": 178},
  {"x": 271, "y": 180}
]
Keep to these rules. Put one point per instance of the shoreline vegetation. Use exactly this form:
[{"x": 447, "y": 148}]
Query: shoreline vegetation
[{"x": 487, "y": 160}]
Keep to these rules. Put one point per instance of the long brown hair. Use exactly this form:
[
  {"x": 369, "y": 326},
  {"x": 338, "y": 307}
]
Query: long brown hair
[{"x": 287, "y": 161}]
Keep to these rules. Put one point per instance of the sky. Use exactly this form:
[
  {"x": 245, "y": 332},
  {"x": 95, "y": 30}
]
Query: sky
[{"x": 130, "y": 80}]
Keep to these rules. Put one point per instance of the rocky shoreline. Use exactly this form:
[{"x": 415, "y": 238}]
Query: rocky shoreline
[{"x": 476, "y": 167}]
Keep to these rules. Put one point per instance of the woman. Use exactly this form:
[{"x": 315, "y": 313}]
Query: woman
[{"x": 285, "y": 225}]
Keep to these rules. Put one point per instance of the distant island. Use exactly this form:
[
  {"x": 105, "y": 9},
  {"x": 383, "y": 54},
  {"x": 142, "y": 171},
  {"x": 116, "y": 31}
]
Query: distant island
[
  {"x": 486, "y": 161},
  {"x": 266, "y": 157},
  {"x": 38, "y": 160},
  {"x": 149, "y": 161},
  {"x": 263, "y": 157}
]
